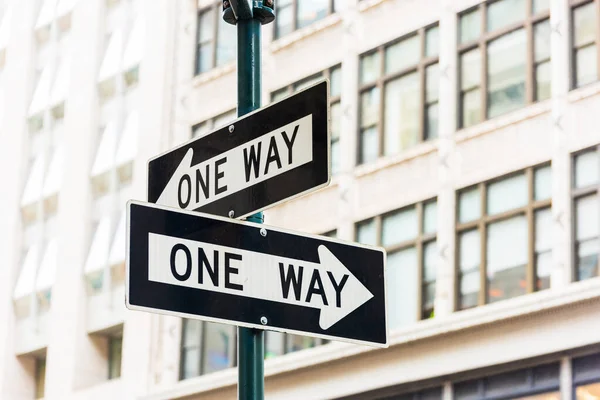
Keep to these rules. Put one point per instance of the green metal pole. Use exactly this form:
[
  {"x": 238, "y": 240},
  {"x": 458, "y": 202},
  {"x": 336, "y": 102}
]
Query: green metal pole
[{"x": 251, "y": 343}]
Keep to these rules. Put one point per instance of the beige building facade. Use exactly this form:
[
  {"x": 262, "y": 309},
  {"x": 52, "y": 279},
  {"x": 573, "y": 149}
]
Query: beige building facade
[{"x": 464, "y": 141}]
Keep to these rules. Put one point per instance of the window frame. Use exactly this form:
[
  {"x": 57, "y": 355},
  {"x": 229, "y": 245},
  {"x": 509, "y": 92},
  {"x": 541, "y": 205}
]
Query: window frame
[
  {"x": 419, "y": 243},
  {"x": 481, "y": 225},
  {"x": 576, "y": 194},
  {"x": 294, "y": 6},
  {"x": 482, "y": 43},
  {"x": 383, "y": 79},
  {"x": 573, "y": 4},
  {"x": 215, "y": 8}
]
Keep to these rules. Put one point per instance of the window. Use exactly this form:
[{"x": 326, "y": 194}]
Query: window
[
  {"x": 334, "y": 74},
  {"x": 494, "y": 59},
  {"x": 586, "y": 184},
  {"x": 399, "y": 90},
  {"x": 409, "y": 237},
  {"x": 216, "y": 40},
  {"x": 584, "y": 39},
  {"x": 586, "y": 377},
  {"x": 504, "y": 237},
  {"x": 296, "y": 14},
  {"x": 211, "y": 124},
  {"x": 206, "y": 347},
  {"x": 537, "y": 383},
  {"x": 277, "y": 343},
  {"x": 40, "y": 377},
  {"x": 115, "y": 353}
]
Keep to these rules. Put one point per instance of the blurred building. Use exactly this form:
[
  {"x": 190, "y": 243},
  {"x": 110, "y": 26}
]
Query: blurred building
[{"x": 465, "y": 141}]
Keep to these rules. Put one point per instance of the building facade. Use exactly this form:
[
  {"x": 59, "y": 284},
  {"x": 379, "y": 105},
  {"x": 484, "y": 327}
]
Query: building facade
[{"x": 463, "y": 142}]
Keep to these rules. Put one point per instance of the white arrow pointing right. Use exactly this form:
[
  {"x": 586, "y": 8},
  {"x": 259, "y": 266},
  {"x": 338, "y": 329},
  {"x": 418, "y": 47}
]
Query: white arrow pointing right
[{"x": 327, "y": 285}]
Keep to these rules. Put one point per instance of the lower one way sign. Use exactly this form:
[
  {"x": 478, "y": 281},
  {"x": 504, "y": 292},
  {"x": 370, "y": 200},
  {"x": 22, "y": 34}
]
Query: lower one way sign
[{"x": 222, "y": 270}]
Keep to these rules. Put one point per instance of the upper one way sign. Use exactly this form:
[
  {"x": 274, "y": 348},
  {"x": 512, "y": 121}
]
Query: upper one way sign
[{"x": 273, "y": 154}]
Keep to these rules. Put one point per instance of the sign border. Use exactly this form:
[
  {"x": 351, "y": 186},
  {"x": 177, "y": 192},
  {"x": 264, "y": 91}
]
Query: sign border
[
  {"x": 244, "y": 324},
  {"x": 239, "y": 118}
]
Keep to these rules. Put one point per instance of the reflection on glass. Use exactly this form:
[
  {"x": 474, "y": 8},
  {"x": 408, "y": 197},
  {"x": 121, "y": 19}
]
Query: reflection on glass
[
  {"x": 274, "y": 344},
  {"x": 587, "y": 230},
  {"x": 586, "y": 65},
  {"x": 587, "y": 169},
  {"x": 284, "y": 21},
  {"x": 542, "y": 189},
  {"x": 506, "y": 73},
  {"x": 507, "y": 194},
  {"x": 369, "y": 145},
  {"x": 336, "y": 119},
  {"x": 469, "y": 262},
  {"x": 543, "y": 248},
  {"x": 370, "y": 67},
  {"x": 507, "y": 258},
  {"x": 432, "y": 41},
  {"x": 310, "y": 11},
  {"x": 401, "y": 120},
  {"x": 369, "y": 108},
  {"x": 429, "y": 275},
  {"x": 296, "y": 343},
  {"x": 504, "y": 12},
  {"x": 543, "y": 81},
  {"x": 335, "y": 82},
  {"x": 584, "y": 24},
  {"x": 402, "y": 284},
  {"x": 366, "y": 233},
  {"x": 470, "y": 26},
  {"x": 218, "y": 346},
  {"x": 399, "y": 227},
  {"x": 403, "y": 54},
  {"x": 471, "y": 108},
  {"x": 430, "y": 217},
  {"x": 469, "y": 205}
]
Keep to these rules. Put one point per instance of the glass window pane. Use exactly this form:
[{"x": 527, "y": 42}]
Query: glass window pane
[
  {"x": 507, "y": 258},
  {"x": 401, "y": 119},
  {"x": 586, "y": 214},
  {"x": 200, "y": 129},
  {"x": 469, "y": 205},
  {"x": 399, "y": 227},
  {"x": 336, "y": 119},
  {"x": 190, "y": 363},
  {"x": 432, "y": 121},
  {"x": 40, "y": 377},
  {"x": 335, "y": 81},
  {"x": 470, "y": 69},
  {"x": 226, "y": 42},
  {"x": 541, "y": 33},
  {"x": 432, "y": 83},
  {"x": 279, "y": 94},
  {"x": 543, "y": 248},
  {"x": 191, "y": 332},
  {"x": 543, "y": 81},
  {"x": 469, "y": 263},
  {"x": 116, "y": 349},
  {"x": 587, "y": 65},
  {"x": 402, "y": 284},
  {"x": 540, "y": 6},
  {"x": 587, "y": 169},
  {"x": 284, "y": 21},
  {"x": 504, "y": 12},
  {"x": 429, "y": 261},
  {"x": 274, "y": 342},
  {"x": 542, "y": 183},
  {"x": 205, "y": 25},
  {"x": 505, "y": 383},
  {"x": 369, "y": 108},
  {"x": 310, "y": 11},
  {"x": 432, "y": 41},
  {"x": 586, "y": 368},
  {"x": 588, "y": 392},
  {"x": 506, "y": 72},
  {"x": 366, "y": 233},
  {"x": 204, "y": 58},
  {"x": 306, "y": 82},
  {"x": 296, "y": 343},
  {"x": 470, "y": 26},
  {"x": 403, "y": 54},
  {"x": 471, "y": 108},
  {"x": 335, "y": 157},
  {"x": 468, "y": 390},
  {"x": 584, "y": 24},
  {"x": 430, "y": 217},
  {"x": 218, "y": 346},
  {"x": 587, "y": 259},
  {"x": 546, "y": 375},
  {"x": 370, "y": 67},
  {"x": 507, "y": 194},
  {"x": 369, "y": 145}
]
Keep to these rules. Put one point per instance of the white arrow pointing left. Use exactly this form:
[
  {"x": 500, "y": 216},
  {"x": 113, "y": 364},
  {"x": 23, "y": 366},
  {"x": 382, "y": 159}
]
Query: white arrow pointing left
[{"x": 327, "y": 285}]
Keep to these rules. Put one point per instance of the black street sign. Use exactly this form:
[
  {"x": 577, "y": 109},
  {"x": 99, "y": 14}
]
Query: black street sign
[
  {"x": 273, "y": 154},
  {"x": 222, "y": 270}
]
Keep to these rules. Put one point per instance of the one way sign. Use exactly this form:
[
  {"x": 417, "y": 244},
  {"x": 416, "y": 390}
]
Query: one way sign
[
  {"x": 268, "y": 156},
  {"x": 222, "y": 270}
]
